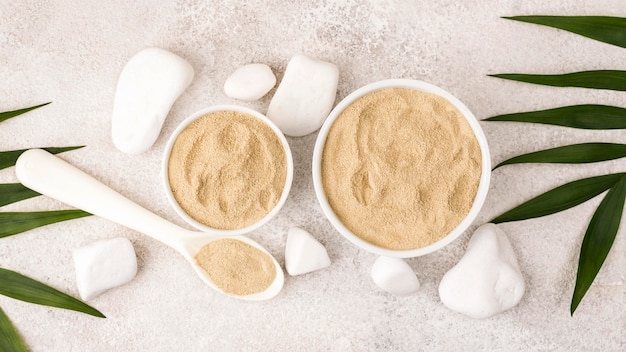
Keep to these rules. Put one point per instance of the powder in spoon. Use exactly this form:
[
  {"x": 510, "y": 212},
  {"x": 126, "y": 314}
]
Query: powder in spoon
[
  {"x": 401, "y": 168},
  {"x": 227, "y": 170},
  {"x": 236, "y": 267}
]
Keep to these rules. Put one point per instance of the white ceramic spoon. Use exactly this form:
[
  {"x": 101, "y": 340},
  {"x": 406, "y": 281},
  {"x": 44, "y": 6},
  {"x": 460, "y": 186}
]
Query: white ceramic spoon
[{"x": 47, "y": 174}]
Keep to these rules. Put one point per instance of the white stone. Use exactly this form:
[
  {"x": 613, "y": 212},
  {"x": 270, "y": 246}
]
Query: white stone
[
  {"x": 305, "y": 96},
  {"x": 103, "y": 265},
  {"x": 487, "y": 280},
  {"x": 395, "y": 276},
  {"x": 250, "y": 82},
  {"x": 147, "y": 88},
  {"x": 303, "y": 253}
]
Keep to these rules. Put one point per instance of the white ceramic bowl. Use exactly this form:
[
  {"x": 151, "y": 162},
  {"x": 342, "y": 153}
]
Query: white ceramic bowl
[
  {"x": 197, "y": 224},
  {"x": 482, "y": 187}
]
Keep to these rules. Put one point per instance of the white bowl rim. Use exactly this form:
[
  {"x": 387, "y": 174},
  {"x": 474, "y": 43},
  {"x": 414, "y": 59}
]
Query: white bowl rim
[
  {"x": 165, "y": 177},
  {"x": 481, "y": 193}
]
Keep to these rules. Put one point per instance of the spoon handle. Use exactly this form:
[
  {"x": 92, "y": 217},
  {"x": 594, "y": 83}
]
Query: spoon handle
[{"x": 47, "y": 174}]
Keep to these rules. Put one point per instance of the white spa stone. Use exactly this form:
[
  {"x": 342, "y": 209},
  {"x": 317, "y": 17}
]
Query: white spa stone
[
  {"x": 104, "y": 264},
  {"x": 303, "y": 253},
  {"x": 147, "y": 88},
  {"x": 305, "y": 96},
  {"x": 395, "y": 276},
  {"x": 487, "y": 280},
  {"x": 250, "y": 82}
]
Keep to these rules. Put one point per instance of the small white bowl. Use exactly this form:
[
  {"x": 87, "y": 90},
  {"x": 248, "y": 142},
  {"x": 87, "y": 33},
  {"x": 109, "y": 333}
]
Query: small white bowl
[
  {"x": 197, "y": 224},
  {"x": 483, "y": 186}
]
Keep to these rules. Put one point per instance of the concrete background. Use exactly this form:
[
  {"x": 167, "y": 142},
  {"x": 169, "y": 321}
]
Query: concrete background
[{"x": 71, "y": 53}]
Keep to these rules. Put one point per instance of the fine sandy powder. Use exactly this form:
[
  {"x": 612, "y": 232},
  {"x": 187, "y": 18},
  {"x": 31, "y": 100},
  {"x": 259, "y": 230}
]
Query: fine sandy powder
[
  {"x": 227, "y": 170},
  {"x": 401, "y": 168},
  {"x": 236, "y": 267}
]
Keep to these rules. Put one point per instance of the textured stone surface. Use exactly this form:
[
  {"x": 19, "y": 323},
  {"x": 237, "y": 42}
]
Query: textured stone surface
[{"x": 72, "y": 52}]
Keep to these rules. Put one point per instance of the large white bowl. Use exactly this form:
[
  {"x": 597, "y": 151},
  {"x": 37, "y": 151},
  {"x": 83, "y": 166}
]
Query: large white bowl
[
  {"x": 193, "y": 222},
  {"x": 483, "y": 186}
]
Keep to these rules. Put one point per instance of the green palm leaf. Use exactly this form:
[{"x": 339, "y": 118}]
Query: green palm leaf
[
  {"x": 9, "y": 114},
  {"x": 12, "y": 223},
  {"x": 598, "y": 79},
  {"x": 589, "y": 116},
  {"x": 10, "y": 340},
  {"x": 13, "y": 284},
  {"x": 571, "y": 154},
  {"x": 611, "y": 30},
  {"x": 605, "y": 222},
  {"x": 21, "y": 287},
  {"x": 9, "y": 158},
  {"x": 598, "y": 240},
  {"x": 560, "y": 198},
  {"x": 14, "y": 192}
]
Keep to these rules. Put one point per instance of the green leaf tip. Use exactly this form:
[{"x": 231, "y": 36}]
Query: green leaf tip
[
  {"x": 571, "y": 154},
  {"x": 586, "y": 116},
  {"x": 9, "y": 114},
  {"x": 598, "y": 240},
  {"x": 23, "y": 288},
  {"x": 596, "y": 79},
  {"x": 606, "y": 29},
  {"x": 560, "y": 198}
]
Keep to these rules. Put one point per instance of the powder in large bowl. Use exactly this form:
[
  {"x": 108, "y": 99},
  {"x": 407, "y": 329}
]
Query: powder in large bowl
[
  {"x": 228, "y": 169},
  {"x": 400, "y": 168}
]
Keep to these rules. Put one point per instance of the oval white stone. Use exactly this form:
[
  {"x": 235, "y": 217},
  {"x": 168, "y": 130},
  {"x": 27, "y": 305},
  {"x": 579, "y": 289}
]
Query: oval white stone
[
  {"x": 250, "y": 82},
  {"x": 147, "y": 88},
  {"x": 305, "y": 96},
  {"x": 395, "y": 276}
]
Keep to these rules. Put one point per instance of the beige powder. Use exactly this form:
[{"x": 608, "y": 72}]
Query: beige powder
[
  {"x": 227, "y": 170},
  {"x": 401, "y": 168},
  {"x": 236, "y": 267}
]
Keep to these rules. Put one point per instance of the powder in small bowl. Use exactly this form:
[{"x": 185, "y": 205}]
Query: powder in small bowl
[
  {"x": 228, "y": 169},
  {"x": 398, "y": 167}
]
